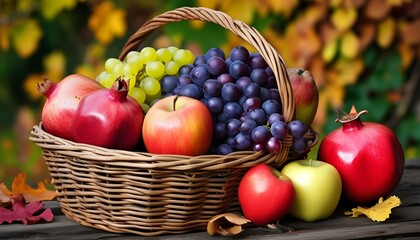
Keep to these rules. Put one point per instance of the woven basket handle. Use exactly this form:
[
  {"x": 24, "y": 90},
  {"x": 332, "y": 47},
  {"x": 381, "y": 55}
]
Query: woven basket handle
[{"x": 249, "y": 34}]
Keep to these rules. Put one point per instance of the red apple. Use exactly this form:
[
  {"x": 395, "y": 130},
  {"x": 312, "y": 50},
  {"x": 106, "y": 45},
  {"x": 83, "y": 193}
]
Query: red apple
[
  {"x": 265, "y": 195},
  {"x": 306, "y": 94},
  {"x": 178, "y": 125}
]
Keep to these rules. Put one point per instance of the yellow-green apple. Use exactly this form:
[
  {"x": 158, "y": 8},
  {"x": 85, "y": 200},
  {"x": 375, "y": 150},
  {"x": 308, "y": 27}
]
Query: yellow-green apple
[
  {"x": 318, "y": 188},
  {"x": 265, "y": 195},
  {"x": 306, "y": 94},
  {"x": 178, "y": 125}
]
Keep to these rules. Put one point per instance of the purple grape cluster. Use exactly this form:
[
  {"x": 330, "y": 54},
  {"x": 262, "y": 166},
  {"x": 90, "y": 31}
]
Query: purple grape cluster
[{"x": 242, "y": 95}]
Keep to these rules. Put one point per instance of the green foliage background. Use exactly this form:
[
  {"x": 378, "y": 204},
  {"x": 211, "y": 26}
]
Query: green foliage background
[{"x": 384, "y": 88}]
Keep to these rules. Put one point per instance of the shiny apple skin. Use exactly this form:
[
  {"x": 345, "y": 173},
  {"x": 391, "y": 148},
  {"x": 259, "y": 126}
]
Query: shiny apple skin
[
  {"x": 370, "y": 167},
  {"x": 183, "y": 128}
]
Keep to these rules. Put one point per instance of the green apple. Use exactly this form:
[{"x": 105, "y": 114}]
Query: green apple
[{"x": 318, "y": 189}]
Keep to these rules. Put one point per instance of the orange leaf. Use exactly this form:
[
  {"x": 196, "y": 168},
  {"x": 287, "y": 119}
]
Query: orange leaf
[
  {"x": 367, "y": 34},
  {"x": 377, "y": 9},
  {"x": 4, "y": 37},
  {"x": 407, "y": 55},
  {"x": 409, "y": 31},
  {"x": 19, "y": 186}
]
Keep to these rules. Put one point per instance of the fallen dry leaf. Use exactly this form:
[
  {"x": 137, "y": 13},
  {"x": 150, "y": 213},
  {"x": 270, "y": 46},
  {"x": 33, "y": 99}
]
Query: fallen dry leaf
[
  {"x": 19, "y": 186},
  {"x": 5, "y": 194},
  {"x": 226, "y": 224},
  {"x": 24, "y": 213},
  {"x": 380, "y": 212}
]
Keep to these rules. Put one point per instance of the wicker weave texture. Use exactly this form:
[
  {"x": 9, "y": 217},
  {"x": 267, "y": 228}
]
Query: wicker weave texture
[{"x": 149, "y": 194}]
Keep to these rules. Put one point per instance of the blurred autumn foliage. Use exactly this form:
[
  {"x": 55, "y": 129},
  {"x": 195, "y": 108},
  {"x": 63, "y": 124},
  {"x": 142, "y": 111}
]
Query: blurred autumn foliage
[{"x": 361, "y": 52}]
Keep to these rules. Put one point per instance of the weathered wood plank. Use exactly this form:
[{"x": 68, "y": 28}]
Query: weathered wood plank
[{"x": 403, "y": 224}]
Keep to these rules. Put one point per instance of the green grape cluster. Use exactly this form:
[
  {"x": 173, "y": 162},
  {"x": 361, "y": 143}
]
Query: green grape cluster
[{"x": 143, "y": 70}]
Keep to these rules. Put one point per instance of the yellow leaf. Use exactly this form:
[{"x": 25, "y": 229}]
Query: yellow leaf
[
  {"x": 283, "y": 6},
  {"x": 29, "y": 85},
  {"x": 54, "y": 64},
  {"x": 329, "y": 51},
  {"x": 25, "y": 37},
  {"x": 107, "y": 22},
  {"x": 386, "y": 32},
  {"x": 380, "y": 212},
  {"x": 315, "y": 13},
  {"x": 19, "y": 186},
  {"x": 24, "y": 5},
  {"x": 344, "y": 18},
  {"x": 51, "y": 8},
  {"x": 210, "y": 4},
  {"x": 197, "y": 24},
  {"x": 239, "y": 9},
  {"x": 333, "y": 93},
  {"x": 348, "y": 70},
  {"x": 350, "y": 45}
]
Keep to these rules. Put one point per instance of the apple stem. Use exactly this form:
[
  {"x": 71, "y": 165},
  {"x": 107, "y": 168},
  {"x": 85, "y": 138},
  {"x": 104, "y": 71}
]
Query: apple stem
[
  {"x": 299, "y": 71},
  {"x": 174, "y": 103}
]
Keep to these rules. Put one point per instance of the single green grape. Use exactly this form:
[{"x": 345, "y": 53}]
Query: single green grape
[
  {"x": 130, "y": 69},
  {"x": 183, "y": 57},
  {"x": 136, "y": 60},
  {"x": 107, "y": 80},
  {"x": 155, "y": 69},
  {"x": 132, "y": 54},
  {"x": 118, "y": 69},
  {"x": 151, "y": 86},
  {"x": 148, "y": 54},
  {"x": 172, "y": 68},
  {"x": 138, "y": 94},
  {"x": 164, "y": 55},
  {"x": 172, "y": 49},
  {"x": 110, "y": 64}
]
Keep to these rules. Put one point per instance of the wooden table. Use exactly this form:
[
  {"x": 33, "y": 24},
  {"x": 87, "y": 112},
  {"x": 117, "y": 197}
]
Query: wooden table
[{"x": 404, "y": 223}]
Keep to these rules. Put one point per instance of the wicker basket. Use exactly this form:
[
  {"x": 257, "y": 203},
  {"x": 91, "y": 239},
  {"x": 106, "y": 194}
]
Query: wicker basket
[{"x": 148, "y": 194}]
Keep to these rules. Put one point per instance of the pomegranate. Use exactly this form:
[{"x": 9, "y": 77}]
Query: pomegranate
[
  {"x": 368, "y": 156},
  {"x": 109, "y": 118},
  {"x": 62, "y": 101}
]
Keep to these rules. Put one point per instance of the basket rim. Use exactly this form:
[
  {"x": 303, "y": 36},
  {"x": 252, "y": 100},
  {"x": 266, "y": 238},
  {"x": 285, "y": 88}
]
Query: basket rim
[{"x": 144, "y": 160}]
